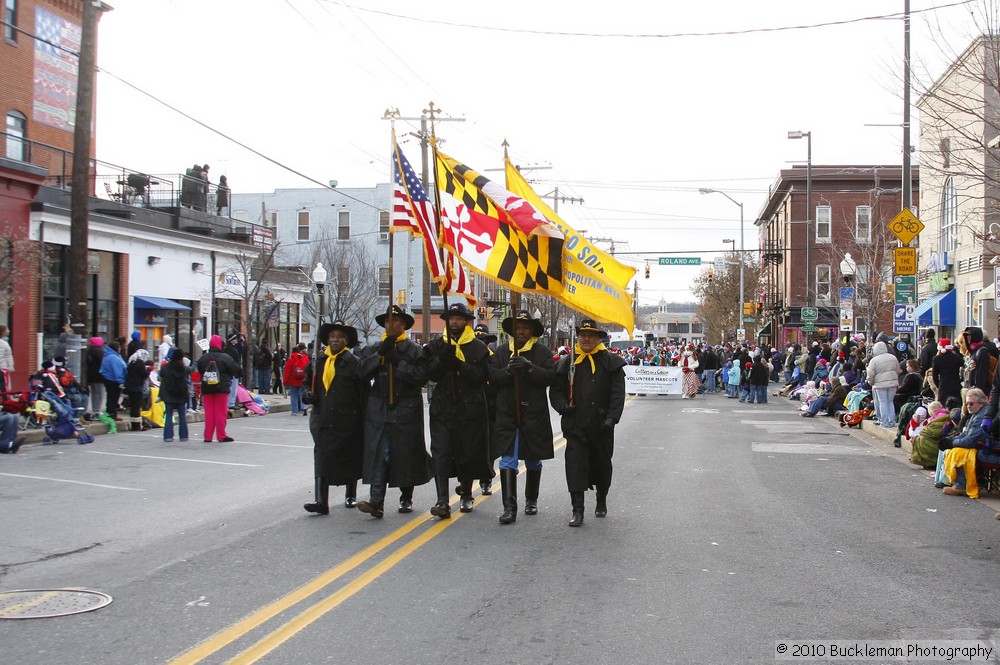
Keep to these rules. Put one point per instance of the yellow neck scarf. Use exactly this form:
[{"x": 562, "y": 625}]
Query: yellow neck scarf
[
  {"x": 580, "y": 355},
  {"x": 524, "y": 349},
  {"x": 467, "y": 336},
  {"x": 329, "y": 370}
]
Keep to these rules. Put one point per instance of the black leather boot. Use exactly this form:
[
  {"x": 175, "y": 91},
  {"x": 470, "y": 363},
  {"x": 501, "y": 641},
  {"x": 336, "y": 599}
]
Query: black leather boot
[
  {"x": 532, "y": 479},
  {"x": 442, "y": 508},
  {"x": 508, "y": 490},
  {"x": 373, "y": 506},
  {"x": 322, "y": 504},
  {"x": 577, "y": 499},
  {"x": 351, "y": 495},
  {"x": 465, "y": 491},
  {"x": 406, "y": 499},
  {"x": 602, "y": 503}
]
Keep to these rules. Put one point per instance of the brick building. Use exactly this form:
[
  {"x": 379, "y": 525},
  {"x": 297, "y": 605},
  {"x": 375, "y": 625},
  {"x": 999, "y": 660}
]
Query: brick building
[{"x": 851, "y": 207}]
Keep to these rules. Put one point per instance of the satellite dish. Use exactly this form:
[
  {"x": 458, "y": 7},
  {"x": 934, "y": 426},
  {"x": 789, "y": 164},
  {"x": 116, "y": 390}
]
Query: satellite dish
[{"x": 333, "y": 184}]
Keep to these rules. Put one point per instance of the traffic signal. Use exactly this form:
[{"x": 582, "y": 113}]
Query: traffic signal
[
  {"x": 709, "y": 275},
  {"x": 760, "y": 306},
  {"x": 647, "y": 271},
  {"x": 747, "y": 309},
  {"x": 482, "y": 313}
]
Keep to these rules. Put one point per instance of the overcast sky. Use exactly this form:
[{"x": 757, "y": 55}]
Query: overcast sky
[{"x": 634, "y": 106}]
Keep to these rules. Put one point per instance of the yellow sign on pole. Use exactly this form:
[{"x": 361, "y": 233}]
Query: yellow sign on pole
[
  {"x": 906, "y": 261},
  {"x": 905, "y": 226}
]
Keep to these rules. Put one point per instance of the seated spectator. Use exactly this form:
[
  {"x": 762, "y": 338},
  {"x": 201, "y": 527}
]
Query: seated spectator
[
  {"x": 925, "y": 442},
  {"x": 960, "y": 459},
  {"x": 832, "y": 402},
  {"x": 910, "y": 387}
]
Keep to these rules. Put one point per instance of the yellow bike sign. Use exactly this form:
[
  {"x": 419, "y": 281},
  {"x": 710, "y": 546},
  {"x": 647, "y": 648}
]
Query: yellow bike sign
[{"x": 905, "y": 226}]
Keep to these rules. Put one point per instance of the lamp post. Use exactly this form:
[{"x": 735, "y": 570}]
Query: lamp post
[
  {"x": 809, "y": 151},
  {"x": 739, "y": 305},
  {"x": 319, "y": 279},
  {"x": 739, "y": 310}
]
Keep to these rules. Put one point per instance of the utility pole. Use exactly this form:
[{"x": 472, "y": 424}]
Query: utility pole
[
  {"x": 425, "y": 142},
  {"x": 553, "y": 317},
  {"x": 76, "y": 270},
  {"x": 907, "y": 177}
]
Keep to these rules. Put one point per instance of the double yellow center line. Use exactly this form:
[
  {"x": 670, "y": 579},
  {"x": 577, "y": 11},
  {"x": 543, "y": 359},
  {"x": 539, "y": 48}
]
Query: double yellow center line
[{"x": 296, "y": 624}]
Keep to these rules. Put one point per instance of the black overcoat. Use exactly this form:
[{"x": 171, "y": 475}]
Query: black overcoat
[
  {"x": 460, "y": 444},
  {"x": 337, "y": 425},
  {"x": 536, "y": 427},
  {"x": 402, "y": 424},
  {"x": 598, "y": 395}
]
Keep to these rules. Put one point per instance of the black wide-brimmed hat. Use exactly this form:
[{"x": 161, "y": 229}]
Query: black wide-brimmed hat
[
  {"x": 483, "y": 333},
  {"x": 537, "y": 329},
  {"x": 589, "y": 325},
  {"x": 458, "y": 309},
  {"x": 327, "y": 328},
  {"x": 396, "y": 312}
]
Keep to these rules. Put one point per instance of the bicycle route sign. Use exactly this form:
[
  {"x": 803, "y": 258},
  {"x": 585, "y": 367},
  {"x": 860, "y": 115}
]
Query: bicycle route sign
[{"x": 905, "y": 226}]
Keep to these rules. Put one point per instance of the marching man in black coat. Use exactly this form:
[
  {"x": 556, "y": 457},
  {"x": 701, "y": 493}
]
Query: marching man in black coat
[
  {"x": 336, "y": 395},
  {"x": 460, "y": 446},
  {"x": 522, "y": 372},
  {"x": 590, "y": 399},
  {"x": 395, "y": 454}
]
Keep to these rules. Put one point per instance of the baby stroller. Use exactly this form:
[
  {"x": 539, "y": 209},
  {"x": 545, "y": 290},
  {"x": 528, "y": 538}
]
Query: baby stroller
[{"x": 64, "y": 422}]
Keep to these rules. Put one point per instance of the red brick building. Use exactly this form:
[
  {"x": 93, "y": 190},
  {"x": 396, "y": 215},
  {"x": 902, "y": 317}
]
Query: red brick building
[{"x": 851, "y": 206}]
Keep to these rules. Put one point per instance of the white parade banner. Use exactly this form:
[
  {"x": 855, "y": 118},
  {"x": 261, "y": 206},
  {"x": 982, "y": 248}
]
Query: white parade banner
[{"x": 652, "y": 380}]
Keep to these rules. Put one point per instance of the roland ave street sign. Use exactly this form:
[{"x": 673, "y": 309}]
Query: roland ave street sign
[{"x": 680, "y": 260}]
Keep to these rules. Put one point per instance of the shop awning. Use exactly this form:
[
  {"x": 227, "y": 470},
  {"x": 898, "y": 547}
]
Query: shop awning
[
  {"x": 148, "y": 302},
  {"x": 938, "y": 310},
  {"x": 988, "y": 293}
]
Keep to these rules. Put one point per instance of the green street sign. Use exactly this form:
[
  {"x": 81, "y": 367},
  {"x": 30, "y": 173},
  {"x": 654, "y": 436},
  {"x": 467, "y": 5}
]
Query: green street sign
[
  {"x": 809, "y": 328},
  {"x": 680, "y": 261},
  {"x": 810, "y": 313},
  {"x": 749, "y": 319},
  {"x": 905, "y": 292}
]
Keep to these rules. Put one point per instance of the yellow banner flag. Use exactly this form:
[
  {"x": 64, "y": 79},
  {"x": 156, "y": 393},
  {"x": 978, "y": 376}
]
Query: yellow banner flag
[
  {"x": 594, "y": 282},
  {"x": 576, "y": 245}
]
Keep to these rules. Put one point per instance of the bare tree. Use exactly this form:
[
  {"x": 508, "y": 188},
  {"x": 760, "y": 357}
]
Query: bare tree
[
  {"x": 253, "y": 269},
  {"x": 352, "y": 288},
  {"x": 718, "y": 298}
]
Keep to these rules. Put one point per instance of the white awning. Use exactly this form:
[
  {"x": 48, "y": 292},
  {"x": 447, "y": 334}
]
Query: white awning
[{"x": 988, "y": 293}]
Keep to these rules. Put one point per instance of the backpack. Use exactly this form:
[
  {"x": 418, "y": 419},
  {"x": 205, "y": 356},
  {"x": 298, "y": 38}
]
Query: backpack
[
  {"x": 298, "y": 372},
  {"x": 211, "y": 375}
]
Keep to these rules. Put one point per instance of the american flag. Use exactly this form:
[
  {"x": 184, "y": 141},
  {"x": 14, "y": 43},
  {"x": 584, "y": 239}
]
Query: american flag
[{"x": 413, "y": 211}]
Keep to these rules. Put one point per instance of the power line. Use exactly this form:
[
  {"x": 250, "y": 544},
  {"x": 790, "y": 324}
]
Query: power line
[{"x": 719, "y": 33}]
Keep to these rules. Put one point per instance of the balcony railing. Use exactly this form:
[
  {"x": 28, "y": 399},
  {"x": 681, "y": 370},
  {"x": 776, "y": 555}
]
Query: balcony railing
[{"x": 174, "y": 200}]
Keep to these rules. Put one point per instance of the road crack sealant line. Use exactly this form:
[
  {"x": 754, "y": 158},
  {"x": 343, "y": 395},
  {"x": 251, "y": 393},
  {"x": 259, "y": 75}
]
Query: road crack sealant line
[{"x": 296, "y": 624}]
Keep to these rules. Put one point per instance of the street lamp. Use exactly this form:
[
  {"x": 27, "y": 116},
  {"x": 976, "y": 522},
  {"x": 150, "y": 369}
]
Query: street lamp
[
  {"x": 808, "y": 137},
  {"x": 708, "y": 190},
  {"x": 319, "y": 279}
]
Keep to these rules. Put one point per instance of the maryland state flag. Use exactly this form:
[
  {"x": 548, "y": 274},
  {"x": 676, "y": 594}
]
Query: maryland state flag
[
  {"x": 496, "y": 233},
  {"x": 595, "y": 283}
]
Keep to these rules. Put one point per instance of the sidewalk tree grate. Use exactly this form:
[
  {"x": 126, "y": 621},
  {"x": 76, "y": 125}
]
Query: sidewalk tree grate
[{"x": 47, "y": 603}]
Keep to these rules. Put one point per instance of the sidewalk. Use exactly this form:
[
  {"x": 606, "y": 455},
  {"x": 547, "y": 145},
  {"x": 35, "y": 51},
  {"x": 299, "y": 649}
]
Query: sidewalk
[
  {"x": 278, "y": 404},
  {"x": 882, "y": 439}
]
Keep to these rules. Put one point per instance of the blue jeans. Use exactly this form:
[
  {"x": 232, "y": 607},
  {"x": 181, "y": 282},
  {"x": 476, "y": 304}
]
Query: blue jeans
[
  {"x": 817, "y": 405},
  {"x": 295, "y": 395},
  {"x": 168, "y": 420},
  {"x": 760, "y": 394},
  {"x": 510, "y": 461},
  {"x": 234, "y": 384},
  {"x": 884, "y": 407},
  {"x": 263, "y": 380},
  {"x": 8, "y": 430},
  {"x": 747, "y": 393},
  {"x": 708, "y": 378}
]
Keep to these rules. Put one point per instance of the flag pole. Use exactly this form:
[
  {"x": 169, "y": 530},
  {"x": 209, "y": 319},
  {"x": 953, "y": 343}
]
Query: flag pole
[
  {"x": 392, "y": 244},
  {"x": 572, "y": 358},
  {"x": 437, "y": 230}
]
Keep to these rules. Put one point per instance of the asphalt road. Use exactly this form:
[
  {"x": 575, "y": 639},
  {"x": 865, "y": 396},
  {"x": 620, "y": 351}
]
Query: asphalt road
[{"x": 730, "y": 527}]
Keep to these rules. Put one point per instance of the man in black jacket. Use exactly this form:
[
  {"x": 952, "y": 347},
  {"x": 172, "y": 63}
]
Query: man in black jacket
[
  {"x": 591, "y": 404},
  {"x": 522, "y": 372},
  {"x": 928, "y": 351},
  {"x": 459, "y": 365}
]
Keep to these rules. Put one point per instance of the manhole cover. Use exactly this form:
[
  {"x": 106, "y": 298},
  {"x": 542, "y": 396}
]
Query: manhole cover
[{"x": 45, "y": 603}]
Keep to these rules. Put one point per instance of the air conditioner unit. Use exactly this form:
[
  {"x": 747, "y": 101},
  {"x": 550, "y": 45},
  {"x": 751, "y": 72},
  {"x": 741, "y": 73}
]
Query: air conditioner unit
[{"x": 383, "y": 236}]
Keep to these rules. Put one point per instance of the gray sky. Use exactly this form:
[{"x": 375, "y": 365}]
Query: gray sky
[{"x": 630, "y": 115}]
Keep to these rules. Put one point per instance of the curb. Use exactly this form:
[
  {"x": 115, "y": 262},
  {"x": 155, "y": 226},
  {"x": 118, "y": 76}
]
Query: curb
[{"x": 34, "y": 437}]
